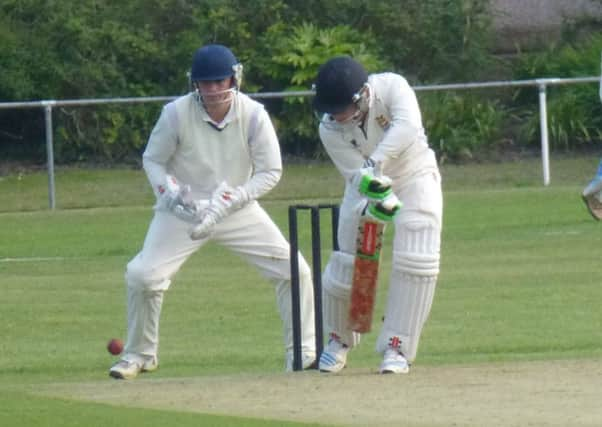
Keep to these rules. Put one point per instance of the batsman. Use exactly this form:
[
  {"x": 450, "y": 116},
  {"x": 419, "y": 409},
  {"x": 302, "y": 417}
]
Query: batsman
[{"x": 371, "y": 127}]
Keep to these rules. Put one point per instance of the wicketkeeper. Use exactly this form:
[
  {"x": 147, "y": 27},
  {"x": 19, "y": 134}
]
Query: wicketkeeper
[
  {"x": 211, "y": 155},
  {"x": 367, "y": 121}
]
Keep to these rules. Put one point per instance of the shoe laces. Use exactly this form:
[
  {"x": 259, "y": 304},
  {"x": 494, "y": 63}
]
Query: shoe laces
[
  {"x": 335, "y": 345},
  {"x": 393, "y": 355}
]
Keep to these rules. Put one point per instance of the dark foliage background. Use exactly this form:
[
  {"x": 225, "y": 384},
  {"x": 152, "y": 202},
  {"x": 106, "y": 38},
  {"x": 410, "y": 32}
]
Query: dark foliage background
[{"x": 67, "y": 49}]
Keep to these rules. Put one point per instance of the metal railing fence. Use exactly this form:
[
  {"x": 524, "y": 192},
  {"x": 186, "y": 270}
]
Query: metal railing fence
[{"x": 541, "y": 84}]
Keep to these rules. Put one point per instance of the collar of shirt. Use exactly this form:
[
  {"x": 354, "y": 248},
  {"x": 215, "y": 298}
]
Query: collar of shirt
[{"x": 230, "y": 116}]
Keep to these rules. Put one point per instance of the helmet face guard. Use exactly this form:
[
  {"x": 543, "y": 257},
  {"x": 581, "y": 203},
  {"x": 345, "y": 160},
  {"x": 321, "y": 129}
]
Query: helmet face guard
[
  {"x": 212, "y": 63},
  {"x": 215, "y": 98},
  {"x": 361, "y": 102}
]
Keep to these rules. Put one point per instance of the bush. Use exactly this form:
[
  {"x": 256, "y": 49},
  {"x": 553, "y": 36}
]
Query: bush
[
  {"x": 296, "y": 57},
  {"x": 460, "y": 125},
  {"x": 574, "y": 111}
]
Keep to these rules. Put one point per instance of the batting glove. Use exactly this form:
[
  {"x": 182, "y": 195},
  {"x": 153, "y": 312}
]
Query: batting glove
[
  {"x": 384, "y": 211},
  {"x": 371, "y": 186}
]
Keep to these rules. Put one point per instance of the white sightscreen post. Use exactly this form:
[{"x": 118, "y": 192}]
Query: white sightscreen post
[
  {"x": 543, "y": 126},
  {"x": 49, "y": 152}
]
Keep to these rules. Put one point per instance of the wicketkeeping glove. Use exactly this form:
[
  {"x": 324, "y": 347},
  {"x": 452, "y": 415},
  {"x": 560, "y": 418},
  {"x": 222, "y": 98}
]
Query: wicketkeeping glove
[
  {"x": 224, "y": 201},
  {"x": 170, "y": 194},
  {"x": 204, "y": 228}
]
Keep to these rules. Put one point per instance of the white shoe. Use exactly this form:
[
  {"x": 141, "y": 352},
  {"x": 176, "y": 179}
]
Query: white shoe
[
  {"x": 394, "y": 363},
  {"x": 334, "y": 356},
  {"x": 595, "y": 186},
  {"x": 308, "y": 361},
  {"x": 129, "y": 369}
]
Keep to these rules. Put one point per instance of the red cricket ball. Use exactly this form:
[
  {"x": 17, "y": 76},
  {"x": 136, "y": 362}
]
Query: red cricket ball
[{"x": 115, "y": 346}]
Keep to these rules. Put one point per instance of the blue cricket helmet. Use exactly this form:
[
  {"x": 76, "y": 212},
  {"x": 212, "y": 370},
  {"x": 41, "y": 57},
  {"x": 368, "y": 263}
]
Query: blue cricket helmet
[
  {"x": 338, "y": 84},
  {"x": 213, "y": 62}
]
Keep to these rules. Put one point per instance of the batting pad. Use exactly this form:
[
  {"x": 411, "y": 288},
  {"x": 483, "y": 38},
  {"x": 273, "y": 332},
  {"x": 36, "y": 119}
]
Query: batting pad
[
  {"x": 336, "y": 294},
  {"x": 350, "y": 214},
  {"x": 412, "y": 287}
]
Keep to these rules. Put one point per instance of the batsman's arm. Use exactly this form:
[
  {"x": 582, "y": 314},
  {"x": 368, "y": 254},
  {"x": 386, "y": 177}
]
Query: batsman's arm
[
  {"x": 346, "y": 158},
  {"x": 405, "y": 126}
]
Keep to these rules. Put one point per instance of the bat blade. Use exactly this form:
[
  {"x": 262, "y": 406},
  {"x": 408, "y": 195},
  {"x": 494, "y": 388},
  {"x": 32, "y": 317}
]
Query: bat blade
[{"x": 365, "y": 275}]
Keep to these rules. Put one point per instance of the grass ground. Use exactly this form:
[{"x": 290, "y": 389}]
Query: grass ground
[{"x": 520, "y": 282}]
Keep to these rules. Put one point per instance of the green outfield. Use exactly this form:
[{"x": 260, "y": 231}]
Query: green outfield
[{"x": 520, "y": 283}]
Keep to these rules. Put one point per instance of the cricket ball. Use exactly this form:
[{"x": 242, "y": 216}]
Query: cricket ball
[{"x": 115, "y": 346}]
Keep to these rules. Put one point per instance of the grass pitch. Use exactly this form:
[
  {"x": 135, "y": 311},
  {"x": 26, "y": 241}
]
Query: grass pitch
[{"x": 520, "y": 283}]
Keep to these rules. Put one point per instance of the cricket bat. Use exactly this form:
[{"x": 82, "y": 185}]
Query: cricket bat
[{"x": 365, "y": 274}]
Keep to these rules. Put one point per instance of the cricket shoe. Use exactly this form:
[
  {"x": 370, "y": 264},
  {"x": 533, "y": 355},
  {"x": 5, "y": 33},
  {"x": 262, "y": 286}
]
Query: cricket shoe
[
  {"x": 308, "y": 361},
  {"x": 594, "y": 187},
  {"x": 127, "y": 369},
  {"x": 334, "y": 356},
  {"x": 394, "y": 362}
]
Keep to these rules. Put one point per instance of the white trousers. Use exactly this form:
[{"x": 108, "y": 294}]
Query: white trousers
[{"x": 250, "y": 233}]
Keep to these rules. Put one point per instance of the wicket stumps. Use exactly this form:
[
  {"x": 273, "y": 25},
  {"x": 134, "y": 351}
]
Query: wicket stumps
[{"x": 316, "y": 262}]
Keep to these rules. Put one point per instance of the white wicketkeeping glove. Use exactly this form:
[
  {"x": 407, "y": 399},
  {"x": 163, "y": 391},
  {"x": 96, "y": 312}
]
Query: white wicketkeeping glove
[
  {"x": 174, "y": 199},
  {"x": 171, "y": 195},
  {"x": 204, "y": 228},
  {"x": 224, "y": 201},
  {"x": 229, "y": 199}
]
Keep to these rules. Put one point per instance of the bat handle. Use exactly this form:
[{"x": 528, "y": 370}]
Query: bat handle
[{"x": 378, "y": 169}]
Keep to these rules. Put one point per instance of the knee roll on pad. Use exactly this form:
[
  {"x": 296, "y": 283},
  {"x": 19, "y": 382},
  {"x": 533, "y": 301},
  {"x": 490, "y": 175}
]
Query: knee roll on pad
[
  {"x": 418, "y": 249},
  {"x": 336, "y": 293},
  {"x": 338, "y": 274}
]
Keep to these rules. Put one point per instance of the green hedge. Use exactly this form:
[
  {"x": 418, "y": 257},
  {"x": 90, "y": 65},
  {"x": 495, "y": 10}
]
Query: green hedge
[{"x": 70, "y": 50}]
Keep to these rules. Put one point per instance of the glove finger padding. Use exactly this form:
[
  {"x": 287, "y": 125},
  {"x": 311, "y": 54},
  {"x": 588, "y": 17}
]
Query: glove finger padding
[
  {"x": 385, "y": 210},
  {"x": 370, "y": 185},
  {"x": 172, "y": 196},
  {"x": 226, "y": 199},
  {"x": 192, "y": 212},
  {"x": 204, "y": 228}
]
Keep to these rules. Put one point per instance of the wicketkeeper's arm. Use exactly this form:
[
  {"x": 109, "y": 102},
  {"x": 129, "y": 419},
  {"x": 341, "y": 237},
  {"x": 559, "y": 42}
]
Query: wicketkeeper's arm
[
  {"x": 161, "y": 146},
  {"x": 265, "y": 156}
]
